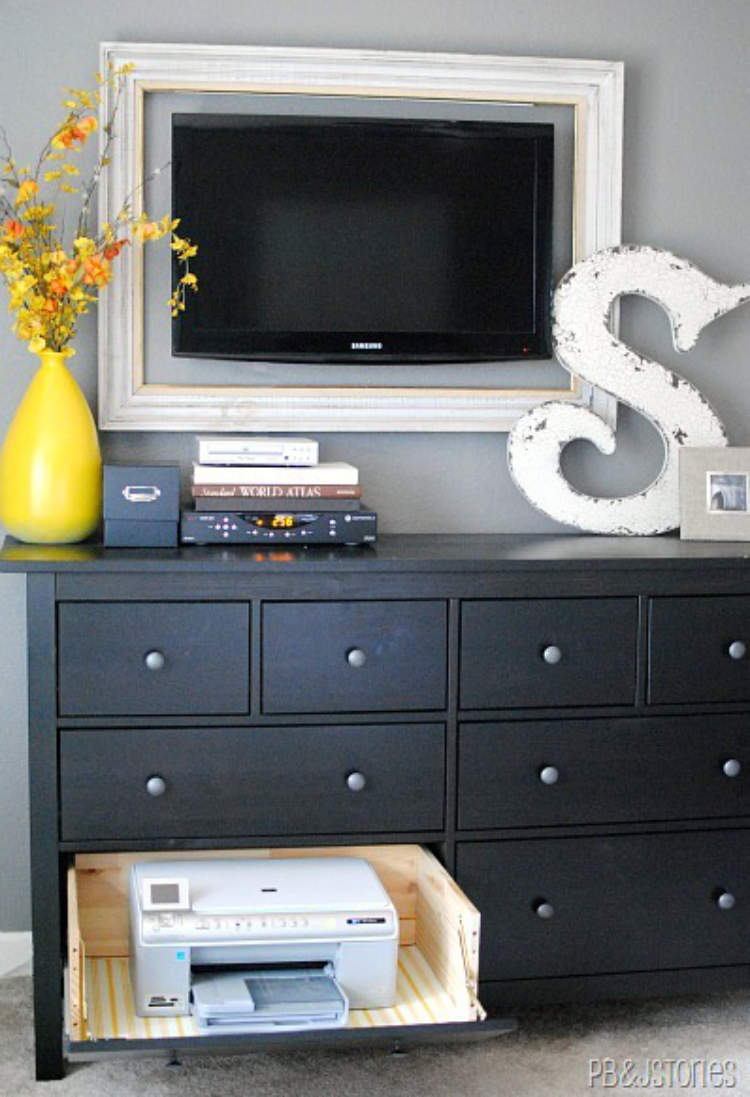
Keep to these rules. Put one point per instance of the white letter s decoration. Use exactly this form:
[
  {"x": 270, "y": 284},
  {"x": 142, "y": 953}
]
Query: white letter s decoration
[{"x": 585, "y": 346}]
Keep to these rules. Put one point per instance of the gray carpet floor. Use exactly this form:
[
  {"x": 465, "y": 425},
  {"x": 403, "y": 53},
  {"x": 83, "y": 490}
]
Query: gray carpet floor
[{"x": 556, "y": 1051}]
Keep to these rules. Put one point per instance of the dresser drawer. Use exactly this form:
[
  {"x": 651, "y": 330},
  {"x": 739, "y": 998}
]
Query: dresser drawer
[
  {"x": 540, "y": 652},
  {"x": 699, "y": 649},
  {"x": 438, "y": 957},
  {"x": 354, "y": 656},
  {"x": 581, "y": 906},
  {"x": 155, "y": 658},
  {"x": 233, "y": 782},
  {"x": 604, "y": 770}
]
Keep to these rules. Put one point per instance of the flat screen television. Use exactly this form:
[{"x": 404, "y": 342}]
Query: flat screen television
[{"x": 364, "y": 240}]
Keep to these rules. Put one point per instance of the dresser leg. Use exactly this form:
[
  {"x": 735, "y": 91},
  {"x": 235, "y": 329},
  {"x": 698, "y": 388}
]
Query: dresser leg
[
  {"x": 48, "y": 1021},
  {"x": 48, "y": 992},
  {"x": 50, "y": 1066},
  {"x": 47, "y": 1025}
]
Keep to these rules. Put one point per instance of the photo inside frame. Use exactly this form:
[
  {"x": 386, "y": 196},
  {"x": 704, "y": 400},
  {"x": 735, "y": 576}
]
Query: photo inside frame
[{"x": 726, "y": 492}]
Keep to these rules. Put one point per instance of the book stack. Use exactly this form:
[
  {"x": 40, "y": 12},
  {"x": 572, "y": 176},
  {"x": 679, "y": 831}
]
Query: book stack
[{"x": 248, "y": 472}]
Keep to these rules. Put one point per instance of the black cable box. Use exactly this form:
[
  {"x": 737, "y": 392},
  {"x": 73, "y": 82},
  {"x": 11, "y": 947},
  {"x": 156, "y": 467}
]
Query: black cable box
[{"x": 267, "y": 527}]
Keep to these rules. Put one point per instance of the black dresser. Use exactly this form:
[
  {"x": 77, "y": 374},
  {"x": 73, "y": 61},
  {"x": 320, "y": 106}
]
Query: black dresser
[{"x": 561, "y": 721}]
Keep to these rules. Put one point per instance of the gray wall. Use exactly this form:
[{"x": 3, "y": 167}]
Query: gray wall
[{"x": 686, "y": 181}]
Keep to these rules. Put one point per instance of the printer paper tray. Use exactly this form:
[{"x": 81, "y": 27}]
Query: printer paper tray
[{"x": 268, "y": 1001}]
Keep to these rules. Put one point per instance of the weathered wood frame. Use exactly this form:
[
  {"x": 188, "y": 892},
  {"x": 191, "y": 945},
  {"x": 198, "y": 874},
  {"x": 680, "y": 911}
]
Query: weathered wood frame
[{"x": 127, "y": 401}]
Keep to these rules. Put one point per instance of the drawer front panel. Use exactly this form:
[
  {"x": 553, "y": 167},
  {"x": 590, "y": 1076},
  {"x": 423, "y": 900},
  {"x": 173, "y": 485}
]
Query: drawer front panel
[
  {"x": 699, "y": 649},
  {"x": 581, "y": 906},
  {"x": 214, "y": 782},
  {"x": 527, "y": 773},
  {"x": 539, "y": 652},
  {"x": 156, "y": 658},
  {"x": 354, "y": 656}
]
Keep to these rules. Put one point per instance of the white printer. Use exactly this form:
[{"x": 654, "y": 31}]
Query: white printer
[{"x": 261, "y": 944}]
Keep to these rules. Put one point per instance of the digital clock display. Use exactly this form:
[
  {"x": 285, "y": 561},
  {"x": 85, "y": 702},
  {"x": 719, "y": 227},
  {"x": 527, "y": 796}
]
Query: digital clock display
[{"x": 281, "y": 521}]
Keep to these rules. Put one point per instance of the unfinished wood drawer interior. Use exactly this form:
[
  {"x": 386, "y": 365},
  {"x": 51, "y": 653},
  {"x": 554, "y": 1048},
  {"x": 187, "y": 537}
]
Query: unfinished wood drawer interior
[{"x": 438, "y": 953}]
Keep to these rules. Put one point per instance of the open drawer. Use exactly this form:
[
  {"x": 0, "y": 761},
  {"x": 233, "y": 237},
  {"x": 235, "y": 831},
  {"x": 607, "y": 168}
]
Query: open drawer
[{"x": 437, "y": 965}]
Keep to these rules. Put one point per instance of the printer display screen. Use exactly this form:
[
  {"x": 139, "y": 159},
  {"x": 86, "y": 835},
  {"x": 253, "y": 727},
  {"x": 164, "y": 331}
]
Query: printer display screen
[{"x": 165, "y": 893}]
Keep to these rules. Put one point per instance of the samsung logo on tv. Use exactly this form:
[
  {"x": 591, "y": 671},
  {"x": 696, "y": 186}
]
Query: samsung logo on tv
[{"x": 366, "y": 346}]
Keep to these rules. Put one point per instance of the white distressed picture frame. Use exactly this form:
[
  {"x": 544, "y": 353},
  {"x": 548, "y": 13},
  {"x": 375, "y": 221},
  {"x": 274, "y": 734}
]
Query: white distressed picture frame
[{"x": 127, "y": 401}]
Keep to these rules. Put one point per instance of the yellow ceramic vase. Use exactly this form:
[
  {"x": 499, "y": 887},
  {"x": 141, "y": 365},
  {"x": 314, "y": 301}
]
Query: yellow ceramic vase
[{"x": 50, "y": 462}]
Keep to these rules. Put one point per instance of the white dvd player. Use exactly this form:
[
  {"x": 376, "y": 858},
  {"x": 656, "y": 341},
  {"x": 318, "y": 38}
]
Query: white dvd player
[{"x": 249, "y": 449}]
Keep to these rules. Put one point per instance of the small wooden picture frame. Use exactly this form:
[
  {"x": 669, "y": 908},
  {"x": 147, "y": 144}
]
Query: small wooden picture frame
[{"x": 715, "y": 493}]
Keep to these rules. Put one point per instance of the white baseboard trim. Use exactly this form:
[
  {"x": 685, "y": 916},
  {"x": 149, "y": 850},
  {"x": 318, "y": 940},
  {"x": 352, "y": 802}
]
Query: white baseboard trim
[{"x": 15, "y": 953}]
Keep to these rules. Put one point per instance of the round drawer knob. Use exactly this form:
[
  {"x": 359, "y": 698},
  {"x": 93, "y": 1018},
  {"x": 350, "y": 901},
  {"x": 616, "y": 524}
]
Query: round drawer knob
[
  {"x": 725, "y": 900},
  {"x": 731, "y": 767},
  {"x": 154, "y": 660},
  {"x": 549, "y": 775},
  {"x": 552, "y": 654},
  {"x": 156, "y": 786},
  {"x": 356, "y": 781},
  {"x": 355, "y": 657},
  {"x": 737, "y": 649},
  {"x": 544, "y": 910}
]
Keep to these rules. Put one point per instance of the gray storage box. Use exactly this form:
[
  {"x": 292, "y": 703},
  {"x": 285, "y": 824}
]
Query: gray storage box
[
  {"x": 141, "y": 505},
  {"x": 125, "y": 533},
  {"x": 147, "y": 492}
]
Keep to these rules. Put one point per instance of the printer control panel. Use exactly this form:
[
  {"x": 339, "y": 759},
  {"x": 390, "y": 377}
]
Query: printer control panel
[{"x": 192, "y": 928}]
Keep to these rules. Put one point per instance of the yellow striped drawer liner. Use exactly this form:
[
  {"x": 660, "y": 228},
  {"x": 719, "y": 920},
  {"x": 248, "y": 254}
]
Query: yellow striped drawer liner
[{"x": 420, "y": 999}]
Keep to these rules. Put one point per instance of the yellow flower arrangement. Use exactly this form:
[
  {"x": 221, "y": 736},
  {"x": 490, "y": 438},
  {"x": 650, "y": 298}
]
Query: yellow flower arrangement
[{"x": 50, "y": 284}]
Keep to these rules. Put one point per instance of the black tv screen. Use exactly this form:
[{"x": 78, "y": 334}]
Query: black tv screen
[{"x": 360, "y": 239}]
